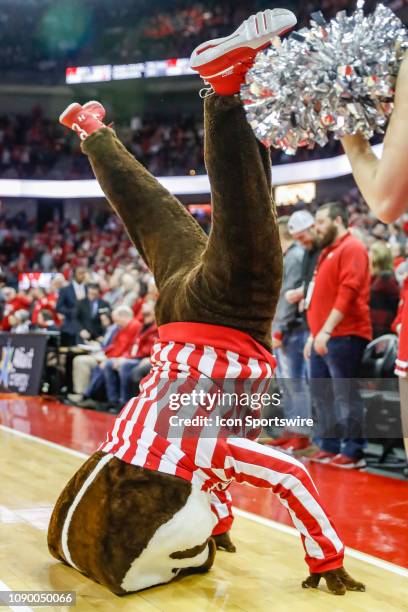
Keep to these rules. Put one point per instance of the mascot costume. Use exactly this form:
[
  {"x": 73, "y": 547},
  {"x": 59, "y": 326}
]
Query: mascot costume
[{"x": 144, "y": 508}]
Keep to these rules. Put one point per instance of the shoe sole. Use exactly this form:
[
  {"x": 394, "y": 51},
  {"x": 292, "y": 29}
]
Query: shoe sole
[
  {"x": 93, "y": 105},
  {"x": 324, "y": 461},
  {"x": 355, "y": 466},
  {"x": 72, "y": 108},
  {"x": 241, "y": 45}
]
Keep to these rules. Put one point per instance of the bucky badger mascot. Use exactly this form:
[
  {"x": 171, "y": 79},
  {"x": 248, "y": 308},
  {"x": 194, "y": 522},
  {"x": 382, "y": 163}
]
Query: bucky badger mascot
[{"x": 145, "y": 507}]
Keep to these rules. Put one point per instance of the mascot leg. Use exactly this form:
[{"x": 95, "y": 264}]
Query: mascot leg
[
  {"x": 128, "y": 528},
  {"x": 111, "y": 522},
  {"x": 242, "y": 292},
  {"x": 167, "y": 237}
]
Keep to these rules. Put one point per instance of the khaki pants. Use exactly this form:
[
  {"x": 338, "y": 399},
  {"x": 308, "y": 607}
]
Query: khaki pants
[{"x": 82, "y": 367}]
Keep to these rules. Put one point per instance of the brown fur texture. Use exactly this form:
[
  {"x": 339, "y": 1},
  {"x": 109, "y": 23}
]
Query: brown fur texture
[
  {"x": 338, "y": 581},
  {"x": 116, "y": 519},
  {"x": 63, "y": 504},
  {"x": 232, "y": 278},
  {"x": 202, "y": 569},
  {"x": 223, "y": 542}
]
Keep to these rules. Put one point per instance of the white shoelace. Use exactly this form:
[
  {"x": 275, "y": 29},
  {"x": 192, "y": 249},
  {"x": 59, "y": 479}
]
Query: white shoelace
[{"x": 206, "y": 91}]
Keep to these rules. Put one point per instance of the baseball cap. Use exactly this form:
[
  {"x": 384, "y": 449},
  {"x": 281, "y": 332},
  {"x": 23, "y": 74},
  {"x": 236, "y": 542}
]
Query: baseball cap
[{"x": 300, "y": 221}]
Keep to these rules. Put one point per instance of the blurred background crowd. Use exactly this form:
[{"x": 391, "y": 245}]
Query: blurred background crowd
[
  {"x": 99, "y": 31},
  {"x": 88, "y": 282},
  {"x": 57, "y": 34},
  {"x": 34, "y": 147}
]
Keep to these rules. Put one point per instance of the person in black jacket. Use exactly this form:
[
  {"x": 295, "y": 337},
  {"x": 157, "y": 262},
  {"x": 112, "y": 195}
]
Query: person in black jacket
[
  {"x": 88, "y": 314},
  {"x": 66, "y": 306}
]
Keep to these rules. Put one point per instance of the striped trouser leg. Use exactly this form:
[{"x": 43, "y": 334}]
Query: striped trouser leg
[
  {"x": 221, "y": 505},
  {"x": 265, "y": 467}
]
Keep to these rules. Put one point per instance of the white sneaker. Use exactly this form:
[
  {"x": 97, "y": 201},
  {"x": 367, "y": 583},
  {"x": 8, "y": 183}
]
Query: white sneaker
[{"x": 223, "y": 62}]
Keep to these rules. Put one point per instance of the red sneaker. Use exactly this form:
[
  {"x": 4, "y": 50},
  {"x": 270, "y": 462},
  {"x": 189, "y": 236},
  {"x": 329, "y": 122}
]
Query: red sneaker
[
  {"x": 81, "y": 120},
  {"x": 294, "y": 445},
  {"x": 96, "y": 109},
  {"x": 348, "y": 463},
  {"x": 322, "y": 457},
  {"x": 223, "y": 62},
  {"x": 276, "y": 441}
]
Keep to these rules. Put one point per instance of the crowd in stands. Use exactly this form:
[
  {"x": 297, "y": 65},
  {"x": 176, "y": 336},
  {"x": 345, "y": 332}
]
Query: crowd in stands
[
  {"x": 107, "y": 340},
  {"x": 54, "y": 35},
  {"x": 111, "y": 274},
  {"x": 99, "y": 296},
  {"x": 87, "y": 286},
  {"x": 35, "y": 147}
]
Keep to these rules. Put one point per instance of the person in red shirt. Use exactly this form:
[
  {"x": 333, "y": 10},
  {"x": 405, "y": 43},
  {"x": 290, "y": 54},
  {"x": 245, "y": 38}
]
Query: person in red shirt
[
  {"x": 45, "y": 300},
  {"x": 118, "y": 371},
  {"x": 12, "y": 302},
  {"x": 385, "y": 291},
  {"x": 401, "y": 366},
  {"x": 338, "y": 315},
  {"x": 120, "y": 346}
]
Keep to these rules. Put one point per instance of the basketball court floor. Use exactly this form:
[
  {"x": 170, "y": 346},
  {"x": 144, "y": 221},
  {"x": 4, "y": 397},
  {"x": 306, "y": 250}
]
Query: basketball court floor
[{"x": 42, "y": 443}]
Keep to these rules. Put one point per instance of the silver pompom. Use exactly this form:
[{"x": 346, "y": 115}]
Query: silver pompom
[{"x": 337, "y": 77}]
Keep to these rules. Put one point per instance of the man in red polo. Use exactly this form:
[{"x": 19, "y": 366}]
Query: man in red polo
[{"x": 339, "y": 320}]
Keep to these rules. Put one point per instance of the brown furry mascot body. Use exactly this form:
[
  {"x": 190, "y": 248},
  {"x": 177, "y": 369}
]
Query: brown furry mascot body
[{"x": 133, "y": 520}]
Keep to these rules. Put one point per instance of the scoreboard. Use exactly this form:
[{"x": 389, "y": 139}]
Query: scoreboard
[{"x": 110, "y": 72}]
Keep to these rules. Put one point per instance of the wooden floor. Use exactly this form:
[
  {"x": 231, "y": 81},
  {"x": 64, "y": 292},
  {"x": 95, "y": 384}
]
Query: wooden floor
[{"x": 264, "y": 574}]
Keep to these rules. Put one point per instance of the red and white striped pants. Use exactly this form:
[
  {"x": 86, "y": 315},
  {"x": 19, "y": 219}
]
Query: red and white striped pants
[{"x": 265, "y": 467}]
